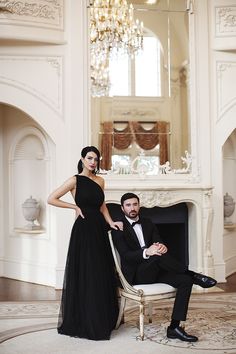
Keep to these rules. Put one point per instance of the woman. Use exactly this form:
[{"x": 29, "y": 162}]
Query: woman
[{"x": 89, "y": 306}]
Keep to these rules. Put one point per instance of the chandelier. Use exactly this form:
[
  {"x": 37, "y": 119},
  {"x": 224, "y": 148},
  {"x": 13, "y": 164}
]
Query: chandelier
[{"x": 113, "y": 32}]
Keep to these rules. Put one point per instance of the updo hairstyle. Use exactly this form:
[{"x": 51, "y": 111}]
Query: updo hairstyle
[{"x": 84, "y": 152}]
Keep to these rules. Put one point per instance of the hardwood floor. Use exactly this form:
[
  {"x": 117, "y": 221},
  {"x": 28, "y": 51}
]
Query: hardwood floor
[
  {"x": 230, "y": 285},
  {"x": 15, "y": 290}
]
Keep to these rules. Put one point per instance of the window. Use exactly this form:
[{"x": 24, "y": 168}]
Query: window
[
  {"x": 138, "y": 76},
  {"x": 119, "y": 76}
]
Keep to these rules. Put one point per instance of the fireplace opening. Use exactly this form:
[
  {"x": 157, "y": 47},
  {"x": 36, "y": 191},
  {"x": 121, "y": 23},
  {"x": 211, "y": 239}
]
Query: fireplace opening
[{"x": 172, "y": 224}]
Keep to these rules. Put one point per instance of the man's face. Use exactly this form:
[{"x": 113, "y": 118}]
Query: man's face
[{"x": 131, "y": 208}]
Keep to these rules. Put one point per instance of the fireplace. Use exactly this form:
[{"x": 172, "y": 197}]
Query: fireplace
[
  {"x": 172, "y": 223},
  {"x": 183, "y": 215}
]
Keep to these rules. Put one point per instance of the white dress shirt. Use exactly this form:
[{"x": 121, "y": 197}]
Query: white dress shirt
[{"x": 139, "y": 233}]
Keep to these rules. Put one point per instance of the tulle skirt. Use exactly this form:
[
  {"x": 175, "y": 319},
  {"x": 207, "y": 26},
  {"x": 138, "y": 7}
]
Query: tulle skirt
[{"x": 89, "y": 304}]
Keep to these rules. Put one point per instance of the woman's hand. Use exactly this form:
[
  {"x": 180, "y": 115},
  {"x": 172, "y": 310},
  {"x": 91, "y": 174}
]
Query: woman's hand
[
  {"x": 117, "y": 225},
  {"x": 78, "y": 212}
]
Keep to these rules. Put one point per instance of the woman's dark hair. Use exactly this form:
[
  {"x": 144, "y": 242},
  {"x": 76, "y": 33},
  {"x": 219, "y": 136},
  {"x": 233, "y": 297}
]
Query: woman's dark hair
[{"x": 84, "y": 152}]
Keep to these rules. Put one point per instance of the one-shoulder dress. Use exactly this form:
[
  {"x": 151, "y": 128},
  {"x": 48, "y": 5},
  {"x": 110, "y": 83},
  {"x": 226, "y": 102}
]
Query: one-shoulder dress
[{"x": 89, "y": 304}]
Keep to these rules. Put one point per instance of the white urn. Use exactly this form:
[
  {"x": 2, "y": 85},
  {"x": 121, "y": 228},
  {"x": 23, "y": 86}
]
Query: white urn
[
  {"x": 229, "y": 206},
  {"x": 31, "y": 209}
]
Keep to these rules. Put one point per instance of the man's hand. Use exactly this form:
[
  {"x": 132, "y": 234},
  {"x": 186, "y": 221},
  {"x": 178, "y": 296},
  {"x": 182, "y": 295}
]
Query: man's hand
[
  {"x": 156, "y": 249},
  {"x": 161, "y": 247}
]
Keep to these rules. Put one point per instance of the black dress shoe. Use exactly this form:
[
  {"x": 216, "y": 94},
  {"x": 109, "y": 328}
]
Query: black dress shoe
[
  {"x": 203, "y": 280},
  {"x": 179, "y": 333}
]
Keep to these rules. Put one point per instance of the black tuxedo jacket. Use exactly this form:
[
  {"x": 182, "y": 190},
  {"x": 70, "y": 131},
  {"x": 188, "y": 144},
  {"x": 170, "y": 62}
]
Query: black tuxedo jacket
[{"x": 127, "y": 244}]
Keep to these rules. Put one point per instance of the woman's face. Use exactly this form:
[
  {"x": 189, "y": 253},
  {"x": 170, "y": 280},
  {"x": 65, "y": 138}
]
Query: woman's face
[{"x": 90, "y": 161}]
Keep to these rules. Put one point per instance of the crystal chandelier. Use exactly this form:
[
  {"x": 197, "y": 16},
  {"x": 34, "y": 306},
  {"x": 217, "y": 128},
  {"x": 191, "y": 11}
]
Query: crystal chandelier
[
  {"x": 99, "y": 74},
  {"x": 113, "y": 32}
]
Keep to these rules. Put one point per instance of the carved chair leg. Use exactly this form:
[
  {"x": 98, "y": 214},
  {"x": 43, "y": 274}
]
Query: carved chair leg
[
  {"x": 141, "y": 321},
  {"x": 121, "y": 311}
]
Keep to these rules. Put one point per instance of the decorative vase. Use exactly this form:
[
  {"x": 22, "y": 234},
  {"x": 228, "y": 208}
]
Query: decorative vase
[
  {"x": 31, "y": 209},
  {"x": 229, "y": 206}
]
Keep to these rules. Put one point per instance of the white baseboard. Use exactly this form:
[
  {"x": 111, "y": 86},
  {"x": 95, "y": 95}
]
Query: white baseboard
[
  {"x": 230, "y": 265},
  {"x": 29, "y": 272},
  {"x": 1, "y": 267},
  {"x": 220, "y": 272}
]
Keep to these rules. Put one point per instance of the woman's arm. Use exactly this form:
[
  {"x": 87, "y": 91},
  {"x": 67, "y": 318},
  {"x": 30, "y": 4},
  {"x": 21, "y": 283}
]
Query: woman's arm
[
  {"x": 55, "y": 197},
  {"x": 113, "y": 224},
  {"x": 106, "y": 214},
  {"x": 117, "y": 225}
]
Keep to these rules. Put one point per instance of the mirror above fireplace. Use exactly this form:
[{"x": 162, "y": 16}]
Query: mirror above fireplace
[{"x": 143, "y": 124}]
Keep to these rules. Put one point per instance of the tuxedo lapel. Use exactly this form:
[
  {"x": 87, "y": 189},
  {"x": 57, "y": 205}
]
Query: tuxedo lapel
[
  {"x": 130, "y": 234},
  {"x": 145, "y": 232}
]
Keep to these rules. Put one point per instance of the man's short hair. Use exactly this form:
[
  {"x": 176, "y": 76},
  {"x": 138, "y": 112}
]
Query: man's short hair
[{"x": 128, "y": 196}]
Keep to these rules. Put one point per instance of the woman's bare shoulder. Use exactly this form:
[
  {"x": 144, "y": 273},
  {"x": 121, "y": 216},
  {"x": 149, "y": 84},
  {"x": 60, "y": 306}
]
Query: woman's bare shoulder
[
  {"x": 71, "y": 181},
  {"x": 99, "y": 180}
]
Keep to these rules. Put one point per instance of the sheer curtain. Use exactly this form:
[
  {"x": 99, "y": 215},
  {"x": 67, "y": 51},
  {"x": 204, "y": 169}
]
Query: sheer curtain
[{"x": 147, "y": 139}]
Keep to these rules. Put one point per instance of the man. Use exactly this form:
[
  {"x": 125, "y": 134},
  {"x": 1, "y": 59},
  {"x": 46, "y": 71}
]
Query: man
[{"x": 145, "y": 259}]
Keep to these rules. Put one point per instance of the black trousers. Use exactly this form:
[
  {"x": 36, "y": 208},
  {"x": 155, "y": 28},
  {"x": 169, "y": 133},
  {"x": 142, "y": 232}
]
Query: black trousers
[{"x": 165, "y": 269}]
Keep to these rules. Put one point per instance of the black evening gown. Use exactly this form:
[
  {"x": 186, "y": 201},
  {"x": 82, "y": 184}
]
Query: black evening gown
[{"x": 89, "y": 305}]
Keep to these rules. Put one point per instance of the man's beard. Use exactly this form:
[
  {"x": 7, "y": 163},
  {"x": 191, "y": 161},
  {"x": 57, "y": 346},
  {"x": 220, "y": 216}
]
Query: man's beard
[{"x": 132, "y": 214}]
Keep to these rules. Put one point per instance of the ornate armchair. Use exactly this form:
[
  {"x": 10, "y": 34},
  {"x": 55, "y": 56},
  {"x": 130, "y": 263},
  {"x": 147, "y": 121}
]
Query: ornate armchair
[{"x": 143, "y": 294}]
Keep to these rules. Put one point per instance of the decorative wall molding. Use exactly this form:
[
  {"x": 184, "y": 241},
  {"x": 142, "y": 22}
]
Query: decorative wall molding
[
  {"x": 225, "y": 21},
  {"x": 55, "y": 64},
  {"x": 135, "y": 108},
  {"x": 223, "y": 24},
  {"x": 29, "y": 147},
  {"x": 207, "y": 195},
  {"x": 160, "y": 198},
  {"x": 134, "y": 112},
  {"x": 226, "y": 73},
  {"x": 44, "y": 81},
  {"x": 43, "y": 13},
  {"x": 25, "y": 132}
]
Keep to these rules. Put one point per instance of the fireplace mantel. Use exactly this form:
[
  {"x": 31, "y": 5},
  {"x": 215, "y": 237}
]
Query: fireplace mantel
[{"x": 153, "y": 192}]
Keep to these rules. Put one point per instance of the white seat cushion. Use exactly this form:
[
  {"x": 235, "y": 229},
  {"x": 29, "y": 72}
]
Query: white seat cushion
[{"x": 157, "y": 288}]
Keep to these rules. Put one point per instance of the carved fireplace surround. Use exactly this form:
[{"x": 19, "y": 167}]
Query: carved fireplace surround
[{"x": 153, "y": 192}]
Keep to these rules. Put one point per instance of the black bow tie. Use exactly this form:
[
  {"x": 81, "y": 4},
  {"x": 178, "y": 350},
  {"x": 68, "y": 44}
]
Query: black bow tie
[{"x": 136, "y": 222}]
